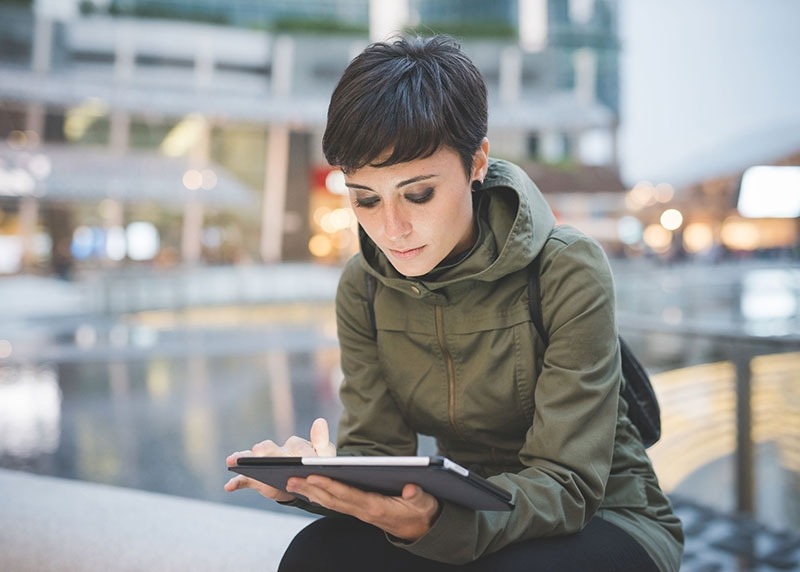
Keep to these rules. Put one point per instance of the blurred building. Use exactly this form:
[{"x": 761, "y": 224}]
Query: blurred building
[{"x": 161, "y": 131}]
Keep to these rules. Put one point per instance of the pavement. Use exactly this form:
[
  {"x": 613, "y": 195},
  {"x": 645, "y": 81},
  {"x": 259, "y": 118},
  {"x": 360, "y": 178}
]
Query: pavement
[{"x": 722, "y": 542}]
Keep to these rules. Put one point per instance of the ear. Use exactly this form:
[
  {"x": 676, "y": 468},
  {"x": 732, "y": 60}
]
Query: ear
[{"x": 480, "y": 161}]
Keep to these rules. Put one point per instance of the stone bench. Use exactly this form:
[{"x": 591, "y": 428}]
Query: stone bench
[{"x": 50, "y": 524}]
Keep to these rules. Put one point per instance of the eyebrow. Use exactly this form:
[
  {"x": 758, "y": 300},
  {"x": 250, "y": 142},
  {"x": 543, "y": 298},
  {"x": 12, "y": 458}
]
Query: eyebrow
[{"x": 401, "y": 184}]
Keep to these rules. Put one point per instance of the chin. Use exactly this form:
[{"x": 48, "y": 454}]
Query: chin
[{"x": 411, "y": 270}]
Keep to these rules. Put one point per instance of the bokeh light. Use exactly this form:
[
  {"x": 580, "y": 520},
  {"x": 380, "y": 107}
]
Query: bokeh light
[
  {"x": 143, "y": 240},
  {"x": 671, "y": 219},
  {"x": 657, "y": 238},
  {"x": 335, "y": 182},
  {"x": 320, "y": 245},
  {"x": 698, "y": 237}
]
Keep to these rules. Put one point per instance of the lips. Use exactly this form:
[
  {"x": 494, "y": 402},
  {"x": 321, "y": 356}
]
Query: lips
[{"x": 406, "y": 254}]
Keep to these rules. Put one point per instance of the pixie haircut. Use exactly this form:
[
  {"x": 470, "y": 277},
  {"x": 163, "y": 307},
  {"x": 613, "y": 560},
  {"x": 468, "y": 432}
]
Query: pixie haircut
[{"x": 407, "y": 97}]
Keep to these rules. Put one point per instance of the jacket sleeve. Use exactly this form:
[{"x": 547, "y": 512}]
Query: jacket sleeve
[{"x": 568, "y": 449}]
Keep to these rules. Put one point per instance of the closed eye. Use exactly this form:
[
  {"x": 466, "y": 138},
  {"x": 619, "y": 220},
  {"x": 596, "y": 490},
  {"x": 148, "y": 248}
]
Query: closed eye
[
  {"x": 419, "y": 198},
  {"x": 366, "y": 202}
]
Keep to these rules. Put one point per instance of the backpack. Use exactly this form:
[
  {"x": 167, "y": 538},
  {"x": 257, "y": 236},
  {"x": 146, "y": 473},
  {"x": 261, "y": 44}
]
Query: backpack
[{"x": 643, "y": 409}]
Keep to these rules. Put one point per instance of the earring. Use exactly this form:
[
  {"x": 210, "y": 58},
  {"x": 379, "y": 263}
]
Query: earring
[{"x": 476, "y": 185}]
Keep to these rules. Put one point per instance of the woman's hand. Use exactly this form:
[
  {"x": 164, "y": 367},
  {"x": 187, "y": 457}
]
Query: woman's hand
[
  {"x": 407, "y": 517},
  {"x": 318, "y": 446}
]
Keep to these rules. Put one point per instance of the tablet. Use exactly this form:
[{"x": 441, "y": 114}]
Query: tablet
[{"x": 437, "y": 475}]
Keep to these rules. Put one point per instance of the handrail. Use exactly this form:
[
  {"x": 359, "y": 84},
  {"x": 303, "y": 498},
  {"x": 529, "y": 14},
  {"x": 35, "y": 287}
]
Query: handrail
[
  {"x": 630, "y": 321},
  {"x": 744, "y": 348}
]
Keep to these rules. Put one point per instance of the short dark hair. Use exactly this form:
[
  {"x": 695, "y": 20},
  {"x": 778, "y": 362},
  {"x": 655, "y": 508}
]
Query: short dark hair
[{"x": 408, "y": 95}]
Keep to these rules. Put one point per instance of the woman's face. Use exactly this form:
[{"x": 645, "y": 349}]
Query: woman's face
[{"x": 420, "y": 212}]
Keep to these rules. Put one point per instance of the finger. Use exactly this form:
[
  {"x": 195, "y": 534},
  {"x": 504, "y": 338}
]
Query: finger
[
  {"x": 405, "y": 518},
  {"x": 267, "y": 448},
  {"x": 297, "y": 446},
  {"x": 411, "y": 492},
  {"x": 233, "y": 459},
  {"x": 240, "y": 482},
  {"x": 320, "y": 438},
  {"x": 236, "y": 483},
  {"x": 337, "y": 496},
  {"x": 323, "y": 491}
]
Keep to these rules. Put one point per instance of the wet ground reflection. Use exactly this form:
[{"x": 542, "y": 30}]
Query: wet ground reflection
[{"x": 163, "y": 423}]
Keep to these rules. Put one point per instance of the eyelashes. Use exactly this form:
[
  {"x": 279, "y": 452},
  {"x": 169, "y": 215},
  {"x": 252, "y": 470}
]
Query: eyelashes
[
  {"x": 420, "y": 198},
  {"x": 366, "y": 203},
  {"x": 415, "y": 198}
]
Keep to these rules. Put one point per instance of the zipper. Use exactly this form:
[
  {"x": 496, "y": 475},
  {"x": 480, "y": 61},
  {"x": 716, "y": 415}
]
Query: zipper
[{"x": 450, "y": 368}]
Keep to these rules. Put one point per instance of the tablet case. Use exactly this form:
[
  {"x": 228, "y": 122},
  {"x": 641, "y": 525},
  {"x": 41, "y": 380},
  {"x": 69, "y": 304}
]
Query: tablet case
[{"x": 438, "y": 476}]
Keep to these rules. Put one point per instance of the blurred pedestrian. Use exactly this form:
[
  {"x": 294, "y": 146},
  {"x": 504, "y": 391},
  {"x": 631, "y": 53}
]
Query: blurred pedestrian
[{"x": 445, "y": 346}]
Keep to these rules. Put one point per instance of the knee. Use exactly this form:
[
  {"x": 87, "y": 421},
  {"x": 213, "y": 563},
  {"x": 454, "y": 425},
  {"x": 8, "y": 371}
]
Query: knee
[
  {"x": 325, "y": 544},
  {"x": 301, "y": 548}
]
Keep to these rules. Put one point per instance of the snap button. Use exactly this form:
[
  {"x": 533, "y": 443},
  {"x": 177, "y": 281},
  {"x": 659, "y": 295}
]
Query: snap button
[{"x": 415, "y": 289}]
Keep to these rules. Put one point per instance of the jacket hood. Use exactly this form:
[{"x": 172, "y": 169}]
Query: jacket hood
[{"x": 514, "y": 221}]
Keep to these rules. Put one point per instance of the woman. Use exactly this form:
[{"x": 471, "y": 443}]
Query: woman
[{"x": 447, "y": 235}]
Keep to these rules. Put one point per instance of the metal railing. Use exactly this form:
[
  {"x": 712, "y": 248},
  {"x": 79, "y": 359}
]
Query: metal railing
[{"x": 738, "y": 350}]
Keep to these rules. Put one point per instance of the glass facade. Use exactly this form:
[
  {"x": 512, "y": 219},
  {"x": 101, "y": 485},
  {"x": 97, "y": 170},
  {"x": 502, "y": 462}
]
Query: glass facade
[{"x": 134, "y": 76}]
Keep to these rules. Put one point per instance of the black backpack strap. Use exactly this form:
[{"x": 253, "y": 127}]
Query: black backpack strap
[
  {"x": 535, "y": 299},
  {"x": 371, "y": 285}
]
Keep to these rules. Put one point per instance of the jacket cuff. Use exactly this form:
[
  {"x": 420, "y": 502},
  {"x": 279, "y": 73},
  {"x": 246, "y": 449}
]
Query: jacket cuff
[
  {"x": 438, "y": 541},
  {"x": 313, "y": 508}
]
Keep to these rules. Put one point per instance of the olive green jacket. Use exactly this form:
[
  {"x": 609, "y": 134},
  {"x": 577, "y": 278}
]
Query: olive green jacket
[{"x": 455, "y": 355}]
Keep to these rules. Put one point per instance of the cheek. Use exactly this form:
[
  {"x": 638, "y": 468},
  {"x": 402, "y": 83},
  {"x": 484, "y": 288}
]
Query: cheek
[
  {"x": 461, "y": 213},
  {"x": 367, "y": 222},
  {"x": 361, "y": 214}
]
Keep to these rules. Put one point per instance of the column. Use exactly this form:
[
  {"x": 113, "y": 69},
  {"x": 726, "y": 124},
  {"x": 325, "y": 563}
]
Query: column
[
  {"x": 28, "y": 217},
  {"x": 204, "y": 66},
  {"x": 584, "y": 60},
  {"x": 533, "y": 25},
  {"x": 282, "y": 66},
  {"x": 510, "y": 74},
  {"x": 125, "y": 54},
  {"x": 29, "y": 205},
  {"x": 275, "y": 183},
  {"x": 42, "y": 44},
  {"x": 119, "y": 136},
  {"x": 387, "y": 18},
  {"x": 194, "y": 210}
]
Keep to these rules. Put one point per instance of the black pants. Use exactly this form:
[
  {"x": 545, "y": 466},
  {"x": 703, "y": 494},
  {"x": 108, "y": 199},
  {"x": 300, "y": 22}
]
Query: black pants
[{"x": 349, "y": 545}]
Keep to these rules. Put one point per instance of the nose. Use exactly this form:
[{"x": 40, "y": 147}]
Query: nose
[{"x": 395, "y": 223}]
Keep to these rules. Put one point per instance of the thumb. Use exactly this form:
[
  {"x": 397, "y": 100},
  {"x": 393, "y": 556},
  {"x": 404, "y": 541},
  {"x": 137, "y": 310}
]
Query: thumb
[
  {"x": 320, "y": 439},
  {"x": 410, "y": 491}
]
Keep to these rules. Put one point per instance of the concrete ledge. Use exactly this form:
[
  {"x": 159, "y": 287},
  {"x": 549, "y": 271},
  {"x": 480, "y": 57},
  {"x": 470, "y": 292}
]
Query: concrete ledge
[{"x": 49, "y": 524}]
